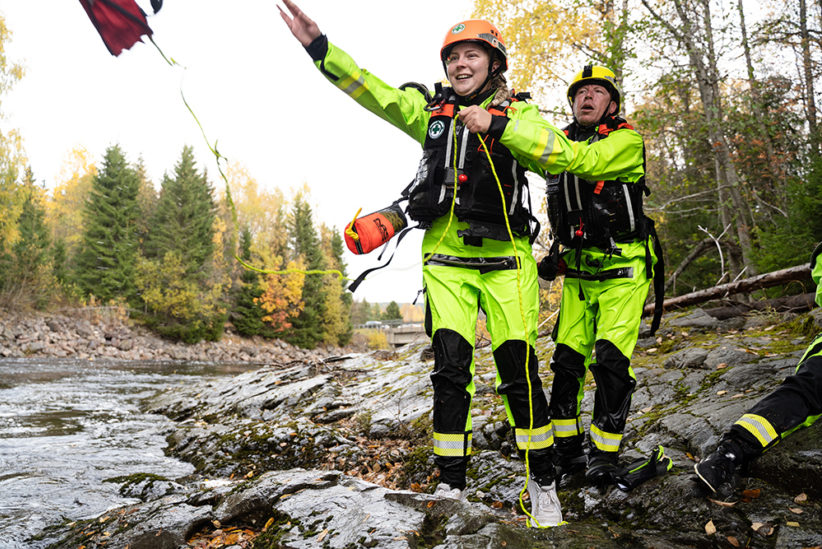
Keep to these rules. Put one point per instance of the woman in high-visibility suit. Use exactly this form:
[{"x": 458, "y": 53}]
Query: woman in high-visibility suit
[
  {"x": 795, "y": 404},
  {"x": 471, "y": 260}
]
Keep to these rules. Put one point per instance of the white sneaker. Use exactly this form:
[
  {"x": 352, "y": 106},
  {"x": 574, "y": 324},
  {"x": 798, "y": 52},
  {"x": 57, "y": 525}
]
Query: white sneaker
[
  {"x": 445, "y": 491},
  {"x": 545, "y": 507}
]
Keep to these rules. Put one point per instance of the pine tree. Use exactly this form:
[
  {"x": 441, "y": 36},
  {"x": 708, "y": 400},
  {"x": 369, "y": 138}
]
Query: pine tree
[
  {"x": 307, "y": 327},
  {"x": 182, "y": 299},
  {"x": 108, "y": 252},
  {"x": 247, "y": 315}
]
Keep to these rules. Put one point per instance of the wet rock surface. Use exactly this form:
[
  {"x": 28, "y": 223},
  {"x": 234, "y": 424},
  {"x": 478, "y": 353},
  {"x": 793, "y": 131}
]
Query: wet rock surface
[{"x": 336, "y": 453}]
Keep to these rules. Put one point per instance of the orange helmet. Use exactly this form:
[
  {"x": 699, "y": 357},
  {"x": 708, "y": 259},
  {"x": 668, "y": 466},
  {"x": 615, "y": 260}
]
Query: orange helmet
[{"x": 475, "y": 30}]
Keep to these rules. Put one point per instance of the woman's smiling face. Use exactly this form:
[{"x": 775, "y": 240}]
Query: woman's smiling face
[{"x": 467, "y": 65}]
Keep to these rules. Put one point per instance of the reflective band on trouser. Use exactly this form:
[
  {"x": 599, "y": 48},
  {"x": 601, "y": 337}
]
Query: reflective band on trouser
[
  {"x": 759, "y": 427},
  {"x": 353, "y": 85},
  {"x": 452, "y": 444},
  {"x": 541, "y": 438},
  {"x": 567, "y": 427},
  {"x": 607, "y": 442}
]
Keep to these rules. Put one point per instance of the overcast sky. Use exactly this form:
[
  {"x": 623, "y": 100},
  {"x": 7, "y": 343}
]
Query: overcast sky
[{"x": 253, "y": 88}]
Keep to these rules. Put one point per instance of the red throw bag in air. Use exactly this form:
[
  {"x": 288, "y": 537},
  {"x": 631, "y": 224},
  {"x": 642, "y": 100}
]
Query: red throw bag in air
[{"x": 121, "y": 23}]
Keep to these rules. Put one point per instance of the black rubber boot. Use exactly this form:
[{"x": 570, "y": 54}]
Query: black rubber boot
[
  {"x": 602, "y": 466},
  {"x": 570, "y": 456},
  {"x": 718, "y": 470}
]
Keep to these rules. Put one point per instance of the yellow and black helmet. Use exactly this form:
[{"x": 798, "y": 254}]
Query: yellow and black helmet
[{"x": 596, "y": 74}]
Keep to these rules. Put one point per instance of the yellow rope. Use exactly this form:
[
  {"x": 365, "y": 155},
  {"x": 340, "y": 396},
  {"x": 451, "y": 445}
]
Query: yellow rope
[
  {"x": 229, "y": 200},
  {"x": 524, "y": 327}
]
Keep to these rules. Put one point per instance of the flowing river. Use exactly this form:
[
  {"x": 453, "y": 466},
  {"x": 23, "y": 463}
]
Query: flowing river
[{"x": 66, "y": 426}]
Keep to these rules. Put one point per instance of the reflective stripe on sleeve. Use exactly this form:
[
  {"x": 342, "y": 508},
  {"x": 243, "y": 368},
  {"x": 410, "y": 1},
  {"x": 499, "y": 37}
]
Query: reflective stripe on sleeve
[
  {"x": 546, "y": 142},
  {"x": 567, "y": 427},
  {"x": 759, "y": 427},
  {"x": 540, "y": 438},
  {"x": 353, "y": 85},
  {"x": 607, "y": 442},
  {"x": 452, "y": 444}
]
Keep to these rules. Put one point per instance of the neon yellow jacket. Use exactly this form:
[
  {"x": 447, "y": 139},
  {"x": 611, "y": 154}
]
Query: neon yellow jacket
[{"x": 537, "y": 145}]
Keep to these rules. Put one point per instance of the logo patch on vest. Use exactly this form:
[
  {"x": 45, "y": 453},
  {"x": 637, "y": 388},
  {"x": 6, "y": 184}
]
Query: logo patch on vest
[
  {"x": 436, "y": 128},
  {"x": 458, "y": 29}
]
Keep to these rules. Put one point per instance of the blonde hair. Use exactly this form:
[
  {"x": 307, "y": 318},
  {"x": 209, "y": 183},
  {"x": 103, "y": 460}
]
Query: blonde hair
[{"x": 503, "y": 93}]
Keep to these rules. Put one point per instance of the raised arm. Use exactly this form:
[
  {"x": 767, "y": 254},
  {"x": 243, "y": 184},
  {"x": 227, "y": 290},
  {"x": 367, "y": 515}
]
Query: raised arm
[{"x": 304, "y": 29}]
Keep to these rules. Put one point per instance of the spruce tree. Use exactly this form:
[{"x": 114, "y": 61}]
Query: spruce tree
[
  {"x": 392, "y": 312},
  {"x": 29, "y": 264},
  {"x": 346, "y": 331},
  {"x": 307, "y": 327},
  {"x": 180, "y": 294},
  {"x": 246, "y": 314},
  {"x": 108, "y": 251},
  {"x": 183, "y": 220}
]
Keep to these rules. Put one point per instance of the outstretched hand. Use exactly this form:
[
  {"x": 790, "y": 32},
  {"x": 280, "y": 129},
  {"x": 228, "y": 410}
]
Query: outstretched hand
[{"x": 301, "y": 26}]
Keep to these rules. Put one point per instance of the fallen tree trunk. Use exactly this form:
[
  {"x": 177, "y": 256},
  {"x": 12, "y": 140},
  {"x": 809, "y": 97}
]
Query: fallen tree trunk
[
  {"x": 800, "y": 273},
  {"x": 782, "y": 304}
]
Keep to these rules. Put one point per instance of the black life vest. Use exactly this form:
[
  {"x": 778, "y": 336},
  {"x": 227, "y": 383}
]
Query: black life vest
[
  {"x": 465, "y": 162},
  {"x": 603, "y": 212}
]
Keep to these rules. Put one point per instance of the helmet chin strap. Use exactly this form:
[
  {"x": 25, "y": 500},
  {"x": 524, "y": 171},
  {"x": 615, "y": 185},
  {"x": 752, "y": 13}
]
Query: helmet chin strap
[{"x": 491, "y": 75}]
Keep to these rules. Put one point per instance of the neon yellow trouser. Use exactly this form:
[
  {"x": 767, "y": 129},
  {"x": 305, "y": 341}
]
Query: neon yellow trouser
[
  {"x": 602, "y": 314},
  {"x": 454, "y": 296}
]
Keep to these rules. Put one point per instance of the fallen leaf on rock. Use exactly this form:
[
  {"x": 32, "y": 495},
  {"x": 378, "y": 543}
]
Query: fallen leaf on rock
[
  {"x": 720, "y": 393},
  {"x": 722, "y": 503},
  {"x": 430, "y": 504},
  {"x": 268, "y": 523},
  {"x": 721, "y": 365},
  {"x": 651, "y": 350},
  {"x": 710, "y": 529},
  {"x": 647, "y": 409},
  {"x": 796, "y": 510},
  {"x": 497, "y": 505},
  {"x": 738, "y": 395},
  {"x": 322, "y": 535},
  {"x": 762, "y": 528},
  {"x": 748, "y": 495},
  {"x": 801, "y": 498},
  {"x": 690, "y": 456},
  {"x": 733, "y": 541},
  {"x": 792, "y": 523}
]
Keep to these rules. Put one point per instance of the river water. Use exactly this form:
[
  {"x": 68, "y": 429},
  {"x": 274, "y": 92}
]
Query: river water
[{"x": 66, "y": 426}]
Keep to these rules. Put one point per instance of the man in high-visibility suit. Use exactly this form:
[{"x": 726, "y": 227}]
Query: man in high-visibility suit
[
  {"x": 610, "y": 249},
  {"x": 796, "y": 403}
]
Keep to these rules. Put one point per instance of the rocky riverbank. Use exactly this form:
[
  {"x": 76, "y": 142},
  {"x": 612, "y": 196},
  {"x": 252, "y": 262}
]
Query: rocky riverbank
[
  {"x": 337, "y": 454},
  {"x": 106, "y": 333}
]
